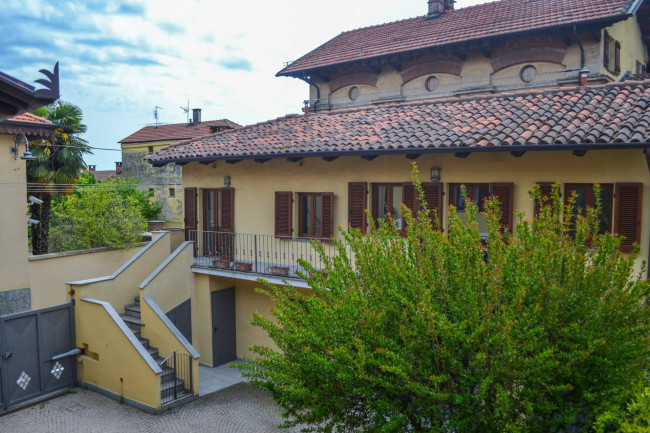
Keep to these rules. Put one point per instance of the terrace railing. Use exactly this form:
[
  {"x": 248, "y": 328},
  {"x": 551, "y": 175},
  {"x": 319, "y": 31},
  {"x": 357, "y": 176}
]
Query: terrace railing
[{"x": 260, "y": 254}]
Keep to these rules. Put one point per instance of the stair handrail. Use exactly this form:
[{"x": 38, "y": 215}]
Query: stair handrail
[{"x": 165, "y": 360}]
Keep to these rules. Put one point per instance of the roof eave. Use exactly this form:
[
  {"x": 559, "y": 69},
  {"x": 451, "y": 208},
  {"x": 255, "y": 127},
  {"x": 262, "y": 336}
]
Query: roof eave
[{"x": 416, "y": 151}]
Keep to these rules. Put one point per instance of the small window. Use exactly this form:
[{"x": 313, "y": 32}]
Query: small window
[
  {"x": 528, "y": 74},
  {"x": 315, "y": 214},
  {"x": 640, "y": 68},
  {"x": 431, "y": 84},
  {"x": 386, "y": 203},
  {"x": 150, "y": 150},
  {"x": 611, "y": 54},
  {"x": 172, "y": 192},
  {"x": 353, "y": 93},
  {"x": 585, "y": 198}
]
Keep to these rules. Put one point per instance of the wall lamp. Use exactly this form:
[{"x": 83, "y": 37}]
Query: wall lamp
[
  {"x": 27, "y": 156},
  {"x": 435, "y": 174}
]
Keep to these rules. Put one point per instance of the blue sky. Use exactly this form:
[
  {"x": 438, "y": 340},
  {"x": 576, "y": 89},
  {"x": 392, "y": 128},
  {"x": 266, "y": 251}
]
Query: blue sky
[{"x": 119, "y": 59}]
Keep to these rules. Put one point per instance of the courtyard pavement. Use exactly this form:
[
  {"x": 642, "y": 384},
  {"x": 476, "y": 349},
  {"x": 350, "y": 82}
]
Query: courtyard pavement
[{"x": 239, "y": 408}]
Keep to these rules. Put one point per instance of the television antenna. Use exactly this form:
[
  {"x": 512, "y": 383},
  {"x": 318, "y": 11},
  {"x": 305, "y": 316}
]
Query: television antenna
[
  {"x": 155, "y": 114},
  {"x": 187, "y": 111}
]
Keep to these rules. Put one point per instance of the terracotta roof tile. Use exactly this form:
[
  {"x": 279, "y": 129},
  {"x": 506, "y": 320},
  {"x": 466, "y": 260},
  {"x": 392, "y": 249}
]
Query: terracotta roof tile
[
  {"x": 29, "y": 118},
  {"x": 487, "y": 20},
  {"x": 613, "y": 113},
  {"x": 176, "y": 131}
]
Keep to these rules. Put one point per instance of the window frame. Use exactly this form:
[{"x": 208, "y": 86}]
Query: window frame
[
  {"x": 389, "y": 196},
  {"x": 324, "y": 219},
  {"x": 611, "y": 54},
  {"x": 590, "y": 199}
]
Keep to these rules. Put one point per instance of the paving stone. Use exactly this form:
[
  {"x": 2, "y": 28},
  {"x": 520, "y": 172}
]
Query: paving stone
[{"x": 238, "y": 409}]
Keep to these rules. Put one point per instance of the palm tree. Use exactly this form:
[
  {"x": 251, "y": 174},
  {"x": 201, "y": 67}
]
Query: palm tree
[{"x": 56, "y": 166}]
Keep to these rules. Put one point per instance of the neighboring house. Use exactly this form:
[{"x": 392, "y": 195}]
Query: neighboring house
[
  {"x": 490, "y": 48},
  {"x": 255, "y": 196},
  {"x": 165, "y": 183},
  {"x": 106, "y": 174},
  {"x": 17, "y": 126}
]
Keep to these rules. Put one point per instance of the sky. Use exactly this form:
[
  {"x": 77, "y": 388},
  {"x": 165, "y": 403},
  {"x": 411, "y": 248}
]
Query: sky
[{"x": 119, "y": 59}]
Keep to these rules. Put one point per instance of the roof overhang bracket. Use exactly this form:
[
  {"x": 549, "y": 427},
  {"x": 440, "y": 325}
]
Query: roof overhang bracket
[
  {"x": 413, "y": 156},
  {"x": 295, "y": 159},
  {"x": 486, "y": 52},
  {"x": 647, "y": 157},
  {"x": 579, "y": 152},
  {"x": 207, "y": 162},
  {"x": 462, "y": 155},
  {"x": 518, "y": 153},
  {"x": 329, "y": 158},
  {"x": 233, "y": 161},
  {"x": 262, "y": 160},
  {"x": 369, "y": 157},
  {"x": 181, "y": 163}
]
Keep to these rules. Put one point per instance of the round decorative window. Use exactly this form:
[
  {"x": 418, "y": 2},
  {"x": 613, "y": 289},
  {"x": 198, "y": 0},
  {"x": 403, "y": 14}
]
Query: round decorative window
[
  {"x": 353, "y": 93},
  {"x": 431, "y": 84},
  {"x": 528, "y": 74}
]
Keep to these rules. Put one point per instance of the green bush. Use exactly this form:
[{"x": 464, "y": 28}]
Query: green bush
[
  {"x": 442, "y": 332},
  {"x": 96, "y": 217}
]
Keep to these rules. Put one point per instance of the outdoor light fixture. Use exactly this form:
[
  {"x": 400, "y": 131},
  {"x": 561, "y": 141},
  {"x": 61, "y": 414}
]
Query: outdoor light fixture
[
  {"x": 27, "y": 156},
  {"x": 435, "y": 174},
  {"x": 226, "y": 181}
]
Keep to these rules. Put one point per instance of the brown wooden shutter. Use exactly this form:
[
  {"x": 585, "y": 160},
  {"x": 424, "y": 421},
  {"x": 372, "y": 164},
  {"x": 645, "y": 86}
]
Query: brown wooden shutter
[
  {"x": 190, "y": 211},
  {"x": 227, "y": 210},
  {"x": 503, "y": 192},
  {"x": 617, "y": 58},
  {"x": 328, "y": 214},
  {"x": 628, "y": 213},
  {"x": 433, "y": 197},
  {"x": 606, "y": 42},
  {"x": 283, "y": 213},
  {"x": 357, "y": 205},
  {"x": 410, "y": 197},
  {"x": 545, "y": 189}
]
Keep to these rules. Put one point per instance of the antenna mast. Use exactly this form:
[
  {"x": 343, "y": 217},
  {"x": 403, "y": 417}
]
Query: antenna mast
[
  {"x": 155, "y": 114},
  {"x": 187, "y": 111}
]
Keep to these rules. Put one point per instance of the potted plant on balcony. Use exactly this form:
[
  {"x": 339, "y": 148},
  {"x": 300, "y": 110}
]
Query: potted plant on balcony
[{"x": 243, "y": 266}]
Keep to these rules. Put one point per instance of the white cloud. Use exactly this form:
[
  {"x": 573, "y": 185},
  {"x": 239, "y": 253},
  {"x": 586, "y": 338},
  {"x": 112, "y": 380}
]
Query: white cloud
[{"x": 119, "y": 60}]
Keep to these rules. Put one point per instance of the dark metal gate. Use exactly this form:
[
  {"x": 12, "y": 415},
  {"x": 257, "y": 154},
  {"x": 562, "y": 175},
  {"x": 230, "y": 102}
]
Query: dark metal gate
[{"x": 37, "y": 351}]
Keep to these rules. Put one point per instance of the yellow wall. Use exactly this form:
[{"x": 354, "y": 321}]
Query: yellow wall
[
  {"x": 14, "y": 263},
  {"x": 119, "y": 290},
  {"x": 51, "y": 272},
  {"x": 628, "y": 33},
  {"x": 174, "y": 283},
  {"x": 161, "y": 337},
  {"x": 110, "y": 355},
  {"x": 255, "y": 184}
]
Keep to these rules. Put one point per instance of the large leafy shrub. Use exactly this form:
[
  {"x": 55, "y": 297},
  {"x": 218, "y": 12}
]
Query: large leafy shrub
[{"x": 444, "y": 332}]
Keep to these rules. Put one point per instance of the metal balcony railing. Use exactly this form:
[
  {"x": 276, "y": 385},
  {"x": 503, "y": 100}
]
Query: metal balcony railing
[{"x": 260, "y": 254}]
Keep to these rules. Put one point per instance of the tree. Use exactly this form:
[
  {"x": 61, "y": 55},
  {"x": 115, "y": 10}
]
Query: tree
[
  {"x": 56, "y": 166},
  {"x": 96, "y": 216},
  {"x": 444, "y": 332}
]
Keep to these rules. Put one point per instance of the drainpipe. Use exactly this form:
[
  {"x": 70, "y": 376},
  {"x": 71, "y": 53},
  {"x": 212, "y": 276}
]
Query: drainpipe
[
  {"x": 582, "y": 50},
  {"x": 312, "y": 83}
]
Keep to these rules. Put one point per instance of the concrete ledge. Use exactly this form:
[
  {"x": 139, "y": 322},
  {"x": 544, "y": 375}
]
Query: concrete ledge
[
  {"x": 122, "y": 268},
  {"x": 250, "y": 276},
  {"x": 164, "y": 264},
  {"x": 79, "y": 252}
]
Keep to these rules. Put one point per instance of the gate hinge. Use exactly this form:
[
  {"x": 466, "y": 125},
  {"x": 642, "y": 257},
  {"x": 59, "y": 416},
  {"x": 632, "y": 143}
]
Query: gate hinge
[{"x": 7, "y": 355}]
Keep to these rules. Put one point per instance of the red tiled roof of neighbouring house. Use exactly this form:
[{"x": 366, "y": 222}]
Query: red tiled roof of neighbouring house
[
  {"x": 616, "y": 115},
  {"x": 489, "y": 20},
  {"x": 29, "y": 118},
  {"x": 176, "y": 131},
  {"x": 104, "y": 174}
]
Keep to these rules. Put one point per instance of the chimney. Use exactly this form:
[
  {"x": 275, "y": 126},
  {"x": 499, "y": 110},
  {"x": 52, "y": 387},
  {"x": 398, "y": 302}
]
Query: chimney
[
  {"x": 584, "y": 73},
  {"x": 196, "y": 116},
  {"x": 91, "y": 168},
  {"x": 439, "y": 7},
  {"x": 118, "y": 168}
]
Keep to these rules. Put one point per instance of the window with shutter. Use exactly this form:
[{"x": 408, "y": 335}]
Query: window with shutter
[
  {"x": 433, "y": 197},
  {"x": 545, "y": 189},
  {"x": 585, "y": 198},
  {"x": 357, "y": 205},
  {"x": 503, "y": 193},
  {"x": 628, "y": 213},
  {"x": 283, "y": 213},
  {"x": 606, "y": 49},
  {"x": 227, "y": 210},
  {"x": 617, "y": 58},
  {"x": 387, "y": 199},
  {"x": 316, "y": 214},
  {"x": 190, "y": 211}
]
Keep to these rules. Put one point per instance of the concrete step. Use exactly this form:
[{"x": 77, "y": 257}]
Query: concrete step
[
  {"x": 131, "y": 320},
  {"x": 144, "y": 341},
  {"x": 168, "y": 385},
  {"x": 137, "y": 300},
  {"x": 153, "y": 351}
]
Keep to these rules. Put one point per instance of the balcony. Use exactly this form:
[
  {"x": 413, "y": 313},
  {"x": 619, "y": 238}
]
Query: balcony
[{"x": 261, "y": 255}]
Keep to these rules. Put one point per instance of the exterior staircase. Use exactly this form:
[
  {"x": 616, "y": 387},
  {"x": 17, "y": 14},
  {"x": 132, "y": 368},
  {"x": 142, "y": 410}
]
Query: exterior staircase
[{"x": 172, "y": 387}]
